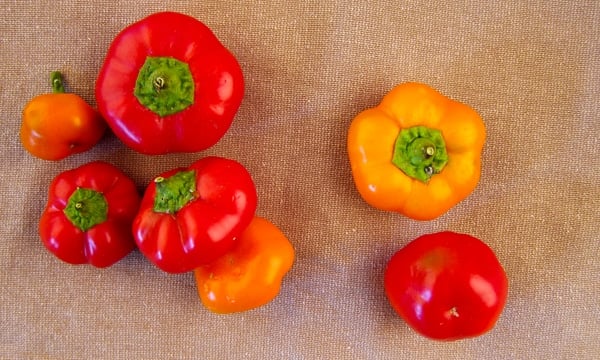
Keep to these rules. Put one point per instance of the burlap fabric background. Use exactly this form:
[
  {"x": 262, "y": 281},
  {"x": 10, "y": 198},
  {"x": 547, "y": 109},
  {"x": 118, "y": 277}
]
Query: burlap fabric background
[{"x": 532, "y": 70}]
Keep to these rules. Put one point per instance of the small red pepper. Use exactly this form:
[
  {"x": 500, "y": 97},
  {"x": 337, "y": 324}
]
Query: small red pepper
[
  {"x": 169, "y": 85},
  {"x": 88, "y": 215},
  {"x": 191, "y": 216}
]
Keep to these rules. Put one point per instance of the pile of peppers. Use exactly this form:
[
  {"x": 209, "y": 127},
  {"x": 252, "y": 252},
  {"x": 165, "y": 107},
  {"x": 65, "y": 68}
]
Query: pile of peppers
[{"x": 169, "y": 85}]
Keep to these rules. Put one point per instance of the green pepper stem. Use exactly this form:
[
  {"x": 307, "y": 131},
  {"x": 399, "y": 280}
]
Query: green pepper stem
[
  {"x": 86, "y": 208},
  {"x": 56, "y": 80},
  {"x": 420, "y": 152},
  {"x": 165, "y": 85},
  {"x": 174, "y": 192}
]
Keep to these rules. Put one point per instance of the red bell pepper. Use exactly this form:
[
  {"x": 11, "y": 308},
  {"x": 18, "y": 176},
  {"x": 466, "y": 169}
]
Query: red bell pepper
[
  {"x": 169, "y": 85},
  {"x": 191, "y": 216},
  {"x": 88, "y": 215},
  {"x": 447, "y": 286}
]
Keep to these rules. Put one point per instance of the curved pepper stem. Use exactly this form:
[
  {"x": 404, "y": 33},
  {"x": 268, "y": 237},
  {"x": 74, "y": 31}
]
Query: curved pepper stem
[
  {"x": 56, "y": 80},
  {"x": 86, "y": 208},
  {"x": 420, "y": 152}
]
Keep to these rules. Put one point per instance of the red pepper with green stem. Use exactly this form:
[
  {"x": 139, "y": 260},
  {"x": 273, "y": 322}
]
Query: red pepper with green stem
[
  {"x": 191, "y": 216},
  {"x": 169, "y": 85},
  {"x": 88, "y": 215}
]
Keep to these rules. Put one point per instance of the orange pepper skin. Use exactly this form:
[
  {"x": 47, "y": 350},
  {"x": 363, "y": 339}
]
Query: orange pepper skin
[
  {"x": 372, "y": 144},
  {"x": 56, "y": 125},
  {"x": 250, "y": 275}
]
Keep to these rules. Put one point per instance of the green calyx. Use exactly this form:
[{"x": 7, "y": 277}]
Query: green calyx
[
  {"x": 86, "y": 208},
  {"x": 420, "y": 152},
  {"x": 174, "y": 192},
  {"x": 165, "y": 85}
]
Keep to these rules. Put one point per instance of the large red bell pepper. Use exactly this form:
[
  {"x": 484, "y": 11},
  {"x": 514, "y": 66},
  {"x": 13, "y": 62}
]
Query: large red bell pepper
[
  {"x": 169, "y": 85},
  {"x": 191, "y": 216}
]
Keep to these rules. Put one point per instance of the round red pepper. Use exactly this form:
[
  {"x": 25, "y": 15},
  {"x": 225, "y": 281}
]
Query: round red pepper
[
  {"x": 447, "y": 286},
  {"x": 88, "y": 215},
  {"x": 191, "y": 216},
  {"x": 169, "y": 85}
]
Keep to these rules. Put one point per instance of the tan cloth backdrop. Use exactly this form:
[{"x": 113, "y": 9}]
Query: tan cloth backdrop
[{"x": 530, "y": 68}]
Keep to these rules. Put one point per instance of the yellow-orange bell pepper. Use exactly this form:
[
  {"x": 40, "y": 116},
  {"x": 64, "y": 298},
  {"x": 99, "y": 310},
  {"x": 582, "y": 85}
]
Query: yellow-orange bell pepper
[
  {"x": 417, "y": 153},
  {"x": 250, "y": 274}
]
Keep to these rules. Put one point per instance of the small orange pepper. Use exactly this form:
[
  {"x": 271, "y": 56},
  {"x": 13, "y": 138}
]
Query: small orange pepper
[
  {"x": 59, "y": 124},
  {"x": 417, "y": 153},
  {"x": 250, "y": 274}
]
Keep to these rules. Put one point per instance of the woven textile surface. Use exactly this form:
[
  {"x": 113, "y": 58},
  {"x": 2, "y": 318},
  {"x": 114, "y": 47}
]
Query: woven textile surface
[{"x": 531, "y": 69}]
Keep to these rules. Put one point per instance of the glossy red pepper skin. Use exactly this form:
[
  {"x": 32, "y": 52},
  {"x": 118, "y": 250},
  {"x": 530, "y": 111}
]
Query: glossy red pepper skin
[
  {"x": 222, "y": 205},
  {"x": 447, "y": 286},
  {"x": 104, "y": 243},
  {"x": 217, "y": 76}
]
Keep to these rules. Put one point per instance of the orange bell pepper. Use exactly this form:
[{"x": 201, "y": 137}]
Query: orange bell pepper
[
  {"x": 250, "y": 275},
  {"x": 57, "y": 125},
  {"x": 417, "y": 153}
]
